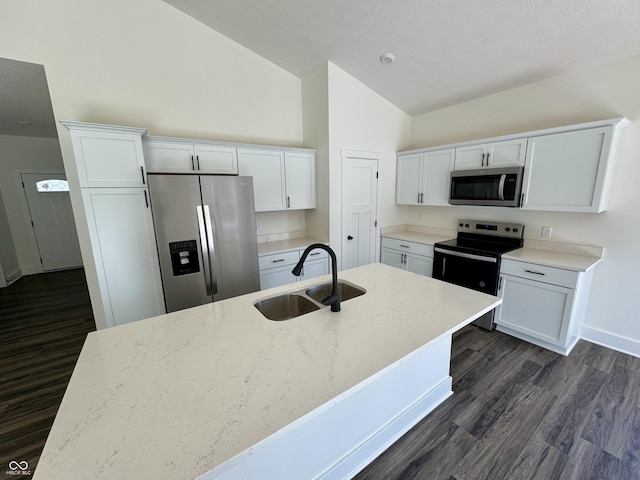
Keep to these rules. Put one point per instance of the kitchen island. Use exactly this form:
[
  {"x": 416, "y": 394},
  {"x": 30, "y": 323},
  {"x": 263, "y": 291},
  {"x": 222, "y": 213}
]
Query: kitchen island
[{"x": 221, "y": 387}]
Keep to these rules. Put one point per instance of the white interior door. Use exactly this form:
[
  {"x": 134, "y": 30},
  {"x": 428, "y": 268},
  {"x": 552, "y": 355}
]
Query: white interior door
[
  {"x": 52, "y": 219},
  {"x": 359, "y": 210}
]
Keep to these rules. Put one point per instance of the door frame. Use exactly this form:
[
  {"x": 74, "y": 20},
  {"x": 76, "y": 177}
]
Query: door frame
[
  {"x": 362, "y": 155},
  {"x": 26, "y": 214}
]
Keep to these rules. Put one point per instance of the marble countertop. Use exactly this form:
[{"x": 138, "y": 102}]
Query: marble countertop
[
  {"x": 280, "y": 246},
  {"x": 419, "y": 237},
  {"x": 176, "y": 395},
  {"x": 566, "y": 260}
]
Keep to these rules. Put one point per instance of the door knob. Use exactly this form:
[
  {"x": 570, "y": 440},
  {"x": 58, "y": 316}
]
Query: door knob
[{"x": 349, "y": 237}]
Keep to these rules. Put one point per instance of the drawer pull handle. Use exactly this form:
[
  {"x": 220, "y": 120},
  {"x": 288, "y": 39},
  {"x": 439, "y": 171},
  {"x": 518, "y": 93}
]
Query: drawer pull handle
[
  {"x": 279, "y": 260},
  {"x": 534, "y": 272},
  {"x": 405, "y": 246},
  {"x": 316, "y": 253}
]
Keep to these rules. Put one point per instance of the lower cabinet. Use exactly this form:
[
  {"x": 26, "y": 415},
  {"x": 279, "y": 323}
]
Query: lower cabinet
[
  {"x": 410, "y": 256},
  {"x": 125, "y": 254},
  {"x": 275, "y": 269},
  {"x": 542, "y": 305}
]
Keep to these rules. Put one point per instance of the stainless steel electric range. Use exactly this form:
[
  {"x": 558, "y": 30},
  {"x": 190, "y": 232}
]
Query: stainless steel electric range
[{"x": 472, "y": 259}]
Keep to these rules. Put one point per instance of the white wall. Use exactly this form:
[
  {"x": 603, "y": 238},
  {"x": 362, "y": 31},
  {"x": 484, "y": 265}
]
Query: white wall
[
  {"x": 146, "y": 64},
  {"x": 607, "y": 91},
  {"x": 360, "y": 119},
  {"x": 315, "y": 114},
  {"x": 26, "y": 154}
]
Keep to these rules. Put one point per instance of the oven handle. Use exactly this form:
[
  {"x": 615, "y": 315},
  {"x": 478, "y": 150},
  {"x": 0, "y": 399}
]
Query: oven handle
[{"x": 466, "y": 255}]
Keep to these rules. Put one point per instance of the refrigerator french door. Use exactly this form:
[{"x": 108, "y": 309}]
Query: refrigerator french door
[{"x": 206, "y": 233}]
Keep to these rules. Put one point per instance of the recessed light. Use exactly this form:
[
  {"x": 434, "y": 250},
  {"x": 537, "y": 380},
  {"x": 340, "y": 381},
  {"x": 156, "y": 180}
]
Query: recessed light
[
  {"x": 387, "y": 58},
  {"x": 25, "y": 123}
]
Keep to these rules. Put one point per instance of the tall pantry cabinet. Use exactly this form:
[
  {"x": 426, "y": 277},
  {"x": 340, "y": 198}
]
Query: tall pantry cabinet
[{"x": 115, "y": 198}]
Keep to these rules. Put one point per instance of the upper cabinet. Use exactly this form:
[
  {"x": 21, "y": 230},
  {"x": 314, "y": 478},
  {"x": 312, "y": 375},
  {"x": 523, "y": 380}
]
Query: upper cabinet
[
  {"x": 423, "y": 178},
  {"x": 566, "y": 169},
  {"x": 282, "y": 179},
  {"x": 491, "y": 155},
  {"x": 108, "y": 156},
  {"x": 570, "y": 171},
  {"x": 170, "y": 155}
]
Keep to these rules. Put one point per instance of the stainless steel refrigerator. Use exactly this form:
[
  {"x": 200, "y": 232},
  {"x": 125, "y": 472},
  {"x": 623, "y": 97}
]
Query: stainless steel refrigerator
[{"x": 206, "y": 233}]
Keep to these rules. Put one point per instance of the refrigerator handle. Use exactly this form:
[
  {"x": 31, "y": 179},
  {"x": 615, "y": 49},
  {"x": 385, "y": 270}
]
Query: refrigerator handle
[
  {"x": 205, "y": 249},
  {"x": 212, "y": 249}
]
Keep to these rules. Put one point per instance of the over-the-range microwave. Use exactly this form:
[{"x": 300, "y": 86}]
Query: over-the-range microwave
[{"x": 495, "y": 187}]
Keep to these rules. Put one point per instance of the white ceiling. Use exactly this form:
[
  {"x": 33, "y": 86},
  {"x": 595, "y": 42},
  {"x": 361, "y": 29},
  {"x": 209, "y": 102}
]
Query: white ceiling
[
  {"x": 25, "y": 105},
  {"x": 447, "y": 51}
]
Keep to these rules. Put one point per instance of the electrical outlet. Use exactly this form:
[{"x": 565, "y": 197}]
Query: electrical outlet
[
  {"x": 546, "y": 232},
  {"x": 258, "y": 225},
  {"x": 300, "y": 219},
  {"x": 419, "y": 217}
]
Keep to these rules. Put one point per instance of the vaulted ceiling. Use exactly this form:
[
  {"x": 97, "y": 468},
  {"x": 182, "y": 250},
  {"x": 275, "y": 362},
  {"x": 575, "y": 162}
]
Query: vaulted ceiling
[{"x": 447, "y": 51}]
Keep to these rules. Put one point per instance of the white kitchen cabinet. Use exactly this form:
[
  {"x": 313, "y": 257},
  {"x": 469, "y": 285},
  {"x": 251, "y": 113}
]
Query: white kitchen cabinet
[
  {"x": 491, "y": 155},
  {"x": 542, "y": 305},
  {"x": 570, "y": 171},
  {"x": 125, "y": 254},
  {"x": 411, "y": 256},
  {"x": 423, "y": 178},
  {"x": 108, "y": 156},
  {"x": 275, "y": 269},
  {"x": 282, "y": 180},
  {"x": 171, "y": 155},
  {"x": 300, "y": 180}
]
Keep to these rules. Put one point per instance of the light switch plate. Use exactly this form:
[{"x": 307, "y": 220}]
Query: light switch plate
[{"x": 546, "y": 232}]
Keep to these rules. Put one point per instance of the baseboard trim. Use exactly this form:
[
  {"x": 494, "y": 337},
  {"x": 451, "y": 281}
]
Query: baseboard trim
[
  {"x": 610, "y": 340},
  {"x": 13, "y": 276}
]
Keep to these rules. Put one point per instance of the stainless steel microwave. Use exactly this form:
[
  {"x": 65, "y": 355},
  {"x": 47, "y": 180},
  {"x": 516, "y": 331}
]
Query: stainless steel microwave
[{"x": 495, "y": 187}]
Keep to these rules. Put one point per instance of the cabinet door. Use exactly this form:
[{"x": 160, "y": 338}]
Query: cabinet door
[
  {"x": 419, "y": 264},
  {"x": 125, "y": 254},
  {"x": 300, "y": 180},
  {"x": 537, "y": 309},
  {"x": 276, "y": 277},
  {"x": 392, "y": 257},
  {"x": 107, "y": 159},
  {"x": 437, "y": 177},
  {"x": 315, "y": 268},
  {"x": 506, "y": 154},
  {"x": 169, "y": 157},
  {"x": 566, "y": 171},
  {"x": 470, "y": 157},
  {"x": 216, "y": 159},
  {"x": 409, "y": 179},
  {"x": 267, "y": 169}
]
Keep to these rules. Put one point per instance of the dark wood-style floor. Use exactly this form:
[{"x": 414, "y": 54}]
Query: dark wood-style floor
[
  {"x": 521, "y": 412},
  {"x": 518, "y": 412},
  {"x": 44, "y": 320}
]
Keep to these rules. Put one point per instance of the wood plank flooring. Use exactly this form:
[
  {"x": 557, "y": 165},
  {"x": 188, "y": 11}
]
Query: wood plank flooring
[
  {"x": 522, "y": 412},
  {"x": 44, "y": 320}
]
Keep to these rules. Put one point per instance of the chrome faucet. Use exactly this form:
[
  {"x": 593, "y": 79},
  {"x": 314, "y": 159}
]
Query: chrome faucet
[{"x": 334, "y": 298}]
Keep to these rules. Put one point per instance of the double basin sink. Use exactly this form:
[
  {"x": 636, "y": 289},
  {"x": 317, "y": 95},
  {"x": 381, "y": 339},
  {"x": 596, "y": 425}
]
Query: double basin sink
[{"x": 293, "y": 304}]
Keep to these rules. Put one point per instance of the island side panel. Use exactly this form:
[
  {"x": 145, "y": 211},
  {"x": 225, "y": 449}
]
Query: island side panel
[{"x": 341, "y": 437}]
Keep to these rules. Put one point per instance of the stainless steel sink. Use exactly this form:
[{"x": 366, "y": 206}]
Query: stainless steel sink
[
  {"x": 293, "y": 304},
  {"x": 285, "y": 306},
  {"x": 346, "y": 291}
]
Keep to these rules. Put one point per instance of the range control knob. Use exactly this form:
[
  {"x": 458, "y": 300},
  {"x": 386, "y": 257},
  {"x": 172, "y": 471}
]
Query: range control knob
[
  {"x": 515, "y": 230},
  {"x": 461, "y": 224},
  {"x": 508, "y": 229},
  {"x": 466, "y": 225}
]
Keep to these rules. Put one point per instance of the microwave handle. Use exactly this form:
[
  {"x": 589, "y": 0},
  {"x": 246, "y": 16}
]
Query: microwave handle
[{"x": 503, "y": 178}]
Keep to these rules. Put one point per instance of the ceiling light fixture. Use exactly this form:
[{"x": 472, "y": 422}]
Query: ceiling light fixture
[
  {"x": 25, "y": 123},
  {"x": 387, "y": 58}
]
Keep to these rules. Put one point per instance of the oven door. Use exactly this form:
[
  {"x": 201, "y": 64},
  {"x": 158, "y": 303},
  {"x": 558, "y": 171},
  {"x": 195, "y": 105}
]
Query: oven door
[{"x": 477, "y": 272}]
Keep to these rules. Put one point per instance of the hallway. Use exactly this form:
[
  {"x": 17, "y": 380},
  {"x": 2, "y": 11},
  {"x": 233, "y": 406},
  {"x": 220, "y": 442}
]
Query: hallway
[{"x": 44, "y": 321}]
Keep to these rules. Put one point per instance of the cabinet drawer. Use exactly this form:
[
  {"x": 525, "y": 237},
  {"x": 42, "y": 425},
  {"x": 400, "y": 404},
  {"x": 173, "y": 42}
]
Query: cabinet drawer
[
  {"x": 540, "y": 273},
  {"x": 279, "y": 259},
  {"x": 403, "y": 245},
  {"x": 316, "y": 254}
]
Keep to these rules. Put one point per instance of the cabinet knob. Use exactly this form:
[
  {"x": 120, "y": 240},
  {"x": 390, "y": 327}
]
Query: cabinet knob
[{"x": 349, "y": 237}]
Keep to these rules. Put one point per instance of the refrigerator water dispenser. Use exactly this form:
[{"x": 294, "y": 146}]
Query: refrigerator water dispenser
[{"x": 184, "y": 257}]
